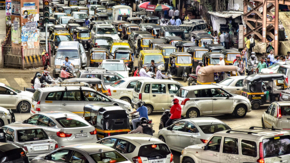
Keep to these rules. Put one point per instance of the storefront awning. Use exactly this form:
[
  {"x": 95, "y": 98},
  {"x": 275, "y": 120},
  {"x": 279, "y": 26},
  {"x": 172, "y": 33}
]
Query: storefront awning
[{"x": 227, "y": 14}]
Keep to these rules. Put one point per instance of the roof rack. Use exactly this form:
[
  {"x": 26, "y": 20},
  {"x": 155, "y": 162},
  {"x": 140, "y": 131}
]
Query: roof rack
[{"x": 229, "y": 131}]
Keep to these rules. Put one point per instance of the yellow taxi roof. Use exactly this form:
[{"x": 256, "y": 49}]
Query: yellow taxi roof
[
  {"x": 120, "y": 43},
  {"x": 151, "y": 52}
]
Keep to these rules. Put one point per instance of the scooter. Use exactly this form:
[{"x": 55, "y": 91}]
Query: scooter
[
  {"x": 164, "y": 118},
  {"x": 135, "y": 116}
]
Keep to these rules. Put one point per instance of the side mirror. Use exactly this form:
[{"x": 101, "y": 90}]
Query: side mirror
[
  {"x": 266, "y": 111},
  {"x": 205, "y": 147},
  {"x": 11, "y": 93},
  {"x": 228, "y": 96},
  {"x": 25, "y": 121},
  {"x": 47, "y": 157}
]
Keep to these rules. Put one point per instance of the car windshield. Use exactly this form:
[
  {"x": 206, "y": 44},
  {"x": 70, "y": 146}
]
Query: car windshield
[
  {"x": 214, "y": 61},
  {"x": 154, "y": 150},
  {"x": 285, "y": 110},
  {"x": 131, "y": 29},
  {"x": 106, "y": 31},
  {"x": 114, "y": 47},
  {"x": 31, "y": 135},
  {"x": 92, "y": 76},
  {"x": 276, "y": 146},
  {"x": 153, "y": 21},
  {"x": 231, "y": 57},
  {"x": 145, "y": 42},
  {"x": 113, "y": 66},
  {"x": 118, "y": 83},
  {"x": 111, "y": 78},
  {"x": 72, "y": 28},
  {"x": 99, "y": 42},
  {"x": 282, "y": 70},
  {"x": 61, "y": 54},
  {"x": 69, "y": 122},
  {"x": 212, "y": 128},
  {"x": 226, "y": 82},
  {"x": 83, "y": 11},
  {"x": 122, "y": 55},
  {"x": 198, "y": 54},
  {"x": 179, "y": 34},
  {"x": 167, "y": 52},
  {"x": 65, "y": 20},
  {"x": 80, "y": 16},
  {"x": 15, "y": 90},
  {"x": 67, "y": 11},
  {"x": 84, "y": 34},
  {"x": 108, "y": 157},
  {"x": 98, "y": 55},
  {"x": 274, "y": 66},
  {"x": 63, "y": 38},
  {"x": 216, "y": 50},
  {"x": 184, "y": 59},
  {"x": 156, "y": 58}
]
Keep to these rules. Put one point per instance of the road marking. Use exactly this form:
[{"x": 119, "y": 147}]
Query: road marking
[
  {"x": 21, "y": 82},
  {"x": 4, "y": 81}
]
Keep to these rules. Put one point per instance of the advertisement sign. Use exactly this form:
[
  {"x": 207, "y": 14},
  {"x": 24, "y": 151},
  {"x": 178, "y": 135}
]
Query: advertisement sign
[{"x": 150, "y": 7}]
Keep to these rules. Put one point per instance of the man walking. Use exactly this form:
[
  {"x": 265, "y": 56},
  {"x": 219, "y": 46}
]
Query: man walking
[
  {"x": 172, "y": 21},
  {"x": 271, "y": 56},
  {"x": 178, "y": 22},
  {"x": 227, "y": 40},
  {"x": 222, "y": 38}
]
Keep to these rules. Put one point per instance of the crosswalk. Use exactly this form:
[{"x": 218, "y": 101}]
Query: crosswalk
[{"x": 17, "y": 83}]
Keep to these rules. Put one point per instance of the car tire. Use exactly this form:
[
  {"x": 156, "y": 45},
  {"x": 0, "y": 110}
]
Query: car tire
[
  {"x": 23, "y": 107},
  {"x": 187, "y": 160},
  {"x": 126, "y": 99},
  {"x": 192, "y": 113},
  {"x": 162, "y": 138},
  {"x": 240, "y": 111},
  {"x": 150, "y": 109},
  {"x": 1, "y": 123},
  {"x": 255, "y": 105},
  {"x": 263, "y": 125}
]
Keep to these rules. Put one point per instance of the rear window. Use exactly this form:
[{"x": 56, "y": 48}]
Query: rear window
[
  {"x": 108, "y": 157},
  {"x": 138, "y": 87},
  {"x": 151, "y": 151},
  {"x": 182, "y": 93},
  {"x": 212, "y": 128},
  {"x": 276, "y": 146},
  {"x": 36, "y": 96},
  {"x": 31, "y": 135},
  {"x": 118, "y": 83},
  {"x": 70, "y": 123},
  {"x": 285, "y": 110}
]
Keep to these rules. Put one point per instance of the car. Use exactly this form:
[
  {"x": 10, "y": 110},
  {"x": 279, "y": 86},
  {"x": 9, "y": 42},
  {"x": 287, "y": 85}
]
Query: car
[
  {"x": 246, "y": 145},
  {"x": 116, "y": 65},
  {"x": 118, "y": 44},
  {"x": 57, "y": 37},
  {"x": 233, "y": 84},
  {"x": 277, "y": 115},
  {"x": 274, "y": 68},
  {"x": 71, "y": 98},
  {"x": 156, "y": 94},
  {"x": 33, "y": 139},
  {"x": 123, "y": 89},
  {"x": 63, "y": 20},
  {"x": 139, "y": 147},
  {"x": 57, "y": 15},
  {"x": 107, "y": 30},
  {"x": 15, "y": 99},
  {"x": 12, "y": 153},
  {"x": 82, "y": 153},
  {"x": 65, "y": 127},
  {"x": 203, "y": 100},
  {"x": 185, "y": 132},
  {"x": 7, "y": 116}
]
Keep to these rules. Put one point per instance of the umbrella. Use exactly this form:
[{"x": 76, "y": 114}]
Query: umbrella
[
  {"x": 161, "y": 8},
  {"x": 169, "y": 6},
  {"x": 144, "y": 5}
]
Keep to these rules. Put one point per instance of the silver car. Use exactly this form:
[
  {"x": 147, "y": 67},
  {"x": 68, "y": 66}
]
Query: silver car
[
  {"x": 33, "y": 139},
  {"x": 233, "y": 84},
  {"x": 6, "y": 116},
  {"x": 191, "y": 131},
  {"x": 82, "y": 153},
  {"x": 65, "y": 127},
  {"x": 202, "y": 100}
]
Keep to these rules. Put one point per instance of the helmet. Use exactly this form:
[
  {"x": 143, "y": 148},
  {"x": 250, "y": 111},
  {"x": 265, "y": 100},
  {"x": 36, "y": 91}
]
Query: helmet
[
  {"x": 38, "y": 74},
  {"x": 175, "y": 101},
  {"x": 253, "y": 57},
  {"x": 140, "y": 103},
  {"x": 159, "y": 67},
  {"x": 143, "y": 120}
]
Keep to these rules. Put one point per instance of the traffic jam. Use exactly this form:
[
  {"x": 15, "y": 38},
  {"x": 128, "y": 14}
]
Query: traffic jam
[{"x": 115, "y": 68}]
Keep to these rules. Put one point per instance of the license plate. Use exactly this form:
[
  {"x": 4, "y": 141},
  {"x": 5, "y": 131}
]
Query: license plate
[
  {"x": 156, "y": 161},
  {"x": 285, "y": 97},
  {"x": 40, "y": 148},
  {"x": 81, "y": 135}
]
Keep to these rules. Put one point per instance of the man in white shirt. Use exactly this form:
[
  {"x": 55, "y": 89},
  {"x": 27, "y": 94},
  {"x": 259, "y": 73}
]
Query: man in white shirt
[
  {"x": 271, "y": 56},
  {"x": 37, "y": 83},
  {"x": 143, "y": 73},
  {"x": 221, "y": 62},
  {"x": 222, "y": 39}
]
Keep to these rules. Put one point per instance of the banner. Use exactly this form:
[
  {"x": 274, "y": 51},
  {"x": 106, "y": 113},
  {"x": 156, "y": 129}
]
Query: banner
[
  {"x": 15, "y": 8},
  {"x": 8, "y": 8}
]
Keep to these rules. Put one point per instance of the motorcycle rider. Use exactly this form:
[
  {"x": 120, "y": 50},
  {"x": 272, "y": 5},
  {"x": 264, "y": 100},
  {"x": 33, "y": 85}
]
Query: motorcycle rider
[
  {"x": 46, "y": 78},
  {"x": 144, "y": 128},
  {"x": 175, "y": 112},
  {"x": 37, "y": 83},
  {"x": 64, "y": 74},
  {"x": 143, "y": 112},
  {"x": 67, "y": 63},
  {"x": 252, "y": 62}
]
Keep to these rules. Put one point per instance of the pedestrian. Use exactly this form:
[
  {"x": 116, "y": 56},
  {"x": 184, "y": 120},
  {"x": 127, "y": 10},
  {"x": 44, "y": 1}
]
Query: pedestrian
[
  {"x": 187, "y": 17},
  {"x": 176, "y": 13},
  {"x": 43, "y": 57},
  {"x": 87, "y": 22},
  {"x": 178, "y": 22},
  {"x": 159, "y": 74},
  {"x": 136, "y": 72},
  {"x": 215, "y": 38},
  {"x": 283, "y": 59},
  {"x": 252, "y": 42},
  {"x": 261, "y": 64},
  {"x": 271, "y": 56},
  {"x": 143, "y": 73},
  {"x": 221, "y": 62},
  {"x": 268, "y": 62},
  {"x": 241, "y": 67},
  {"x": 171, "y": 13},
  {"x": 46, "y": 57},
  {"x": 222, "y": 38},
  {"x": 153, "y": 67},
  {"x": 244, "y": 54},
  {"x": 276, "y": 59},
  {"x": 227, "y": 40},
  {"x": 172, "y": 21}
]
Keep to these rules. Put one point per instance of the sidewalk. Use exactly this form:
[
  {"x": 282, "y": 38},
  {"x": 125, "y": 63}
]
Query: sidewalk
[{"x": 16, "y": 70}]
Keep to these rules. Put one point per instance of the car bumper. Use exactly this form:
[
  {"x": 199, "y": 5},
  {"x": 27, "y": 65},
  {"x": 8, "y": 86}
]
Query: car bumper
[{"x": 65, "y": 142}]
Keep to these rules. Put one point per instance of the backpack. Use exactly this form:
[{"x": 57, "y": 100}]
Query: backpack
[{"x": 147, "y": 130}]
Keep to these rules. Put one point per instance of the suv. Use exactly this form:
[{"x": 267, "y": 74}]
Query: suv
[
  {"x": 250, "y": 145},
  {"x": 71, "y": 99},
  {"x": 105, "y": 30},
  {"x": 116, "y": 65},
  {"x": 156, "y": 93},
  {"x": 202, "y": 100}
]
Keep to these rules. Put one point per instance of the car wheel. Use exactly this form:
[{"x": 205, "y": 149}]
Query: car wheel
[
  {"x": 187, "y": 160},
  {"x": 150, "y": 109},
  {"x": 240, "y": 111},
  {"x": 255, "y": 105},
  {"x": 23, "y": 107},
  {"x": 263, "y": 125},
  {"x": 126, "y": 99},
  {"x": 192, "y": 113},
  {"x": 162, "y": 138},
  {"x": 1, "y": 123}
]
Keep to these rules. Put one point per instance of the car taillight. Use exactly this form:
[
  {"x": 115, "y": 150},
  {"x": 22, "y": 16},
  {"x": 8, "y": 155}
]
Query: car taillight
[
  {"x": 56, "y": 146},
  {"x": 38, "y": 102},
  {"x": 204, "y": 140},
  {"x": 137, "y": 159},
  {"x": 109, "y": 134},
  {"x": 171, "y": 157},
  {"x": 140, "y": 96},
  {"x": 279, "y": 114},
  {"x": 37, "y": 109},
  {"x": 109, "y": 92},
  {"x": 63, "y": 135},
  {"x": 25, "y": 148},
  {"x": 184, "y": 101},
  {"x": 261, "y": 153},
  {"x": 93, "y": 132}
]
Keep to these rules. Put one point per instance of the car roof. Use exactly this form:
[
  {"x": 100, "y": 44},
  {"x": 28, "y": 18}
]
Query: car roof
[
  {"x": 51, "y": 89},
  {"x": 283, "y": 103},
  {"x": 90, "y": 148},
  {"x": 204, "y": 120},
  {"x": 196, "y": 87},
  {"x": 141, "y": 139},
  {"x": 68, "y": 45},
  {"x": 22, "y": 126},
  {"x": 158, "y": 80},
  {"x": 59, "y": 114}
]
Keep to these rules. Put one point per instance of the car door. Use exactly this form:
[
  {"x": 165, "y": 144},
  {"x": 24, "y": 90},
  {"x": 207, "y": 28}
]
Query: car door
[
  {"x": 172, "y": 90},
  {"x": 204, "y": 100},
  {"x": 221, "y": 103},
  {"x": 52, "y": 100},
  {"x": 158, "y": 96},
  {"x": 230, "y": 152},
  {"x": 172, "y": 134},
  {"x": 236, "y": 87},
  {"x": 8, "y": 98},
  {"x": 130, "y": 89},
  {"x": 72, "y": 101},
  {"x": 59, "y": 156},
  {"x": 273, "y": 116},
  {"x": 77, "y": 157},
  {"x": 267, "y": 115},
  {"x": 211, "y": 152},
  {"x": 188, "y": 136}
]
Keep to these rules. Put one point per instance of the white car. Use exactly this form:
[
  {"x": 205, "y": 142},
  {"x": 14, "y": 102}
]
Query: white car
[
  {"x": 191, "y": 131},
  {"x": 123, "y": 89},
  {"x": 11, "y": 98},
  {"x": 140, "y": 148},
  {"x": 107, "y": 30},
  {"x": 233, "y": 84},
  {"x": 116, "y": 65},
  {"x": 63, "y": 20},
  {"x": 274, "y": 68}
]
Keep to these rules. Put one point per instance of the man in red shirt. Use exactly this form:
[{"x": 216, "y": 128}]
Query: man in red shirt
[{"x": 175, "y": 112}]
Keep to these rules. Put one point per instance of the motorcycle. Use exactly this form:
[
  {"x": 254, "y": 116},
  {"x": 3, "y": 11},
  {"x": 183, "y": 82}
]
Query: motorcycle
[
  {"x": 72, "y": 71},
  {"x": 164, "y": 118},
  {"x": 252, "y": 69},
  {"x": 192, "y": 79},
  {"x": 135, "y": 116}
]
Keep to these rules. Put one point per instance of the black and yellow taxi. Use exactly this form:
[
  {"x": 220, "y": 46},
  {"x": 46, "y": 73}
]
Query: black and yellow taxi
[
  {"x": 127, "y": 29},
  {"x": 56, "y": 37},
  {"x": 166, "y": 50},
  {"x": 97, "y": 55},
  {"x": 135, "y": 20},
  {"x": 83, "y": 36},
  {"x": 71, "y": 26},
  {"x": 124, "y": 54}
]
